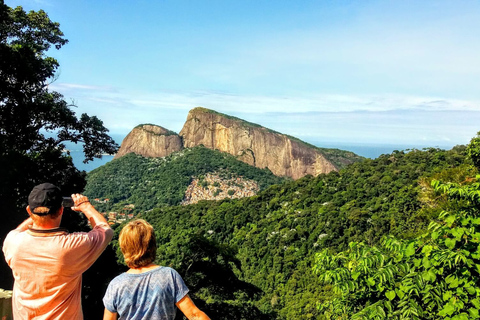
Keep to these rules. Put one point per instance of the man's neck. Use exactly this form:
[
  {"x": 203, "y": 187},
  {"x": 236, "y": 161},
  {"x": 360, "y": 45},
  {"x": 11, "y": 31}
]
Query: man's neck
[{"x": 47, "y": 225}]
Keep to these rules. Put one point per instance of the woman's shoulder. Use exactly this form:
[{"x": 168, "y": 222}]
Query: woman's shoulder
[
  {"x": 161, "y": 271},
  {"x": 120, "y": 278},
  {"x": 167, "y": 270}
]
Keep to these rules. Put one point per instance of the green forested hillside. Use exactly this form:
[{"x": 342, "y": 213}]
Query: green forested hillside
[
  {"x": 433, "y": 276},
  {"x": 153, "y": 182},
  {"x": 268, "y": 242}
]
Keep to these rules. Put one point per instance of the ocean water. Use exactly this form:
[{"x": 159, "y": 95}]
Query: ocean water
[
  {"x": 76, "y": 152},
  {"x": 78, "y": 161},
  {"x": 371, "y": 151}
]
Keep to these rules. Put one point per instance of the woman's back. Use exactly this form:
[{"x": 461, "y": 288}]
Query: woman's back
[{"x": 149, "y": 295}]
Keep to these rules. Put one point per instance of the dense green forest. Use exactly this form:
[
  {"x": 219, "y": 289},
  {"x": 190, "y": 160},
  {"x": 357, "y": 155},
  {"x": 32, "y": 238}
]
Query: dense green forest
[
  {"x": 266, "y": 244},
  {"x": 432, "y": 276},
  {"x": 152, "y": 182}
]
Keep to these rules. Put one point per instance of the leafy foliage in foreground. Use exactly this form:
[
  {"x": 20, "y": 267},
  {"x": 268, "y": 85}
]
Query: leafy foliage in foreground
[
  {"x": 35, "y": 121},
  {"x": 155, "y": 182},
  {"x": 276, "y": 234},
  {"x": 473, "y": 150},
  {"x": 434, "y": 276}
]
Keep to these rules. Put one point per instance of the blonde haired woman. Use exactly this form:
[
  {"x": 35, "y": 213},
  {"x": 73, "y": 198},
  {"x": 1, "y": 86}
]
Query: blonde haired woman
[{"x": 146, "y": 290}]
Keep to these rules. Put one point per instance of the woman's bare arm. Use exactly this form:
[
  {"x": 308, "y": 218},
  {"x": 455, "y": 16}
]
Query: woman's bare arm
[
  {"x": 190, "y": 310},
  {"x": 107, "y": 315}
]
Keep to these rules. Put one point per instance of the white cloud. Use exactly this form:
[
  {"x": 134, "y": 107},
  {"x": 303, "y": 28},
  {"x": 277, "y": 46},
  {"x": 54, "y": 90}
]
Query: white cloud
[
  {"x": 374, "y": 118},
  {"x": 65, "y": 87}
]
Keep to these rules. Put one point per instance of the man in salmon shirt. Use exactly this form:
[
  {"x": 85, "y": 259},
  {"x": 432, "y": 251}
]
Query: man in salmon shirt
[{"x": 47, "y": 262}]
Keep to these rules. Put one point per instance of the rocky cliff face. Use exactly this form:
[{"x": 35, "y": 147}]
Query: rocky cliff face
[
  {"x": 253, "y": 144},
  {"x": 250, "y": 143},
  {"x": 150, "y": 141}
]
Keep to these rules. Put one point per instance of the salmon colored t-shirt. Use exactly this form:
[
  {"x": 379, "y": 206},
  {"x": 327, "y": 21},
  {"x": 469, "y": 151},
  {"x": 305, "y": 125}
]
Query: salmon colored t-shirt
[{"x": 47, "y": 268}]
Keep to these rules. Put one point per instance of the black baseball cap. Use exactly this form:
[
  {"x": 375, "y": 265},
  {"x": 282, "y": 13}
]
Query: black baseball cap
[{"x": 45, "y": 195}]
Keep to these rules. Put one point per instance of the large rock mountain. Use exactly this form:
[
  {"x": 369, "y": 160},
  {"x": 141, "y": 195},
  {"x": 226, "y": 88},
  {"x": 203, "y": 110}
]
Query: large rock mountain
[
  {"x": 250, "y": 143},
  {"x": 150, "y": 141}
]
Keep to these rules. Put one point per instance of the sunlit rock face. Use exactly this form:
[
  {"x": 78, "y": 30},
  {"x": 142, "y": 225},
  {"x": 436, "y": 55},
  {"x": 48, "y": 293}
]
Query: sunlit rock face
[
  {"x": 150, "y": 141},
  {"x": 249, "y": 142},
  {"x": 253, "y": 144}
]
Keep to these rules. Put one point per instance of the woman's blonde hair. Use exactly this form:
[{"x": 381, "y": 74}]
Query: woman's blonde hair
[{"x": 138, "y": 244}]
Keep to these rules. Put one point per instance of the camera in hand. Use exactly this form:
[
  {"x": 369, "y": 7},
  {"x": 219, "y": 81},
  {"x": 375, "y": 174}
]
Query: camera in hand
[{"x": 68, "y": 202}]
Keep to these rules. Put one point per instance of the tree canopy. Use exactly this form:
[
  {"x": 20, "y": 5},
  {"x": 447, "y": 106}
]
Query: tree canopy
[
  {"x": 34, "y": 120},
  {"x": 154, "y": 182}
]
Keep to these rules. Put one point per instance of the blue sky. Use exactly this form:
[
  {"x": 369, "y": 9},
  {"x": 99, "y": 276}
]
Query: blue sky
[{"x": 358, "y": 72}]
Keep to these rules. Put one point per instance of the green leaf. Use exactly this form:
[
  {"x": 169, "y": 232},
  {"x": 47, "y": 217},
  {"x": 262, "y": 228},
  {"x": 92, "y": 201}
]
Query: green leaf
[
  {"x": 426, "y": 250},
  {"x": 381, "y": 312},
  {"x": 429, "y": 276},
  {"x": 388, "y": 305},
  {"x": 457, "y": 233},
  {"x": 473, "y": 313},
  {"x": 450, "y": 220},
  {"x": 449, "y": 309},
  {"x": 461, "y": 316},
  {"x": 355, "y": 275},
  {"x": 452, "y": 281},
  {"x": 410, "y": 251},
  {"x": 400, "y": 293},
  {"x": 471, "y": 290},
  {"x": 476, "y": 303},
  {"x": 390, "y": 295},
  {"x": 426, "y": 263},
  {"x": 450, "y": 243},
  {"x": 447, "y": 295},
  {"x": 371, "y": 282}
]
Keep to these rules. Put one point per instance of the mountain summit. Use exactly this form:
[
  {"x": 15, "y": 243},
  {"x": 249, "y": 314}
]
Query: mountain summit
[
  {"x": 150, "y": 141},
  {"x": 249, "y": 142}
]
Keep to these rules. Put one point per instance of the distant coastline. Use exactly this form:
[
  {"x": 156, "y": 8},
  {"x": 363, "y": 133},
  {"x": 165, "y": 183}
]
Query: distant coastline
[{"x": 373, "y": 150}]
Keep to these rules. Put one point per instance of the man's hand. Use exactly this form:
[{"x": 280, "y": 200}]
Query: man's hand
[{"x": 82, "y": 204}]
